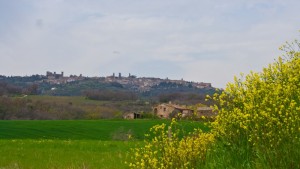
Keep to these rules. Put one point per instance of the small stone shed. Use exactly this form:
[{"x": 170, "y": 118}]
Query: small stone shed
[
  {"x": 167, "y": 110},
  {"x": 132, "y": 115}
]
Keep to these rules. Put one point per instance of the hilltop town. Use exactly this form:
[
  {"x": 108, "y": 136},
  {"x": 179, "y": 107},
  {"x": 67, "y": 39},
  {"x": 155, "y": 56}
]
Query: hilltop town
[
  {"x": 141, "y": 84},
  {"x": 119, "y": 96},
  {"x": 110, "y": 88}
]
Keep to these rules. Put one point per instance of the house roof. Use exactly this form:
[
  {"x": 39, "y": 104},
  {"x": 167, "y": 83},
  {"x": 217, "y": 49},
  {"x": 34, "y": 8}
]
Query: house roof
[
  {"x": 204, "y": 108},
  {"x": 175, "y": 106}
]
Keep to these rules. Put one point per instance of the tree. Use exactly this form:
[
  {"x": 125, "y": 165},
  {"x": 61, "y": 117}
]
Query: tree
[{"x": 32, "y": 89}]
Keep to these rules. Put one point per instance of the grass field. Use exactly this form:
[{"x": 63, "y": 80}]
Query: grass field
[
  {"x": 39, "y": 154},
  {"x": 73, "y": 144},
  {"x": 105, "y": 130}
]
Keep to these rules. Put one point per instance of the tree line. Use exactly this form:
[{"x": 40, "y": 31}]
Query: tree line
[
  {"x": 110, "y": 95},
  {"x": 11, "y": 89}
]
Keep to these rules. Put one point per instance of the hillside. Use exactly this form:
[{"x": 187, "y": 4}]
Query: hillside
[
  {"x": 107, "y": 88},
  {"x": 54, "y": 96}
]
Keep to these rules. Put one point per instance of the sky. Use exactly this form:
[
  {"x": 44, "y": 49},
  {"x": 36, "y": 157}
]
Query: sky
[{"x": 195, "y": 40}]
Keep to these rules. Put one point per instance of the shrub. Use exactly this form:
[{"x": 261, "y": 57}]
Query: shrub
[
  {"x": 167, "y": 149},
  {"x": 258, "y": 125},
  {"x": 260, "y": 113}
]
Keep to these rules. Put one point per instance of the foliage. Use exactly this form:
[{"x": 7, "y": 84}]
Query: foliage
[
  {"x": 26, "y": 109},
  {"x": 9, "y": 89},
  {"x": 259, "y": 114},
  {"x": 110, "y": 95},
  {"x": 186, "y": 98},
  {"x": 149, "y": 115},
  {"x": 168, "y": 149},
  {"x": 65, "y": 107}
]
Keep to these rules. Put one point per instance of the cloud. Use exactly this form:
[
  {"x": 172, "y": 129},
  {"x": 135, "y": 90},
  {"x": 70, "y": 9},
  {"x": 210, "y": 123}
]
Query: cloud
[{"x": 208, "y": 41}]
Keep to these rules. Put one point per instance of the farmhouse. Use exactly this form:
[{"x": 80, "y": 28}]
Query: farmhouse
[{"x": 168, "y": 110}]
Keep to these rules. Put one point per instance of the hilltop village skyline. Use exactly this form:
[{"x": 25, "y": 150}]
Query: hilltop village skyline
[{"x": 130, "y": 81}]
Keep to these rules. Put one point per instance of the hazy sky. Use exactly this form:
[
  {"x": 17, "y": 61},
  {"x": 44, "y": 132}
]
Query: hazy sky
[{"x": 197, "y": 40}]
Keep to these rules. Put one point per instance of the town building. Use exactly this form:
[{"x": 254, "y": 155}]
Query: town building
[
  {"x": 169, "y": 110},
  {"x": 54, "y": 75}
]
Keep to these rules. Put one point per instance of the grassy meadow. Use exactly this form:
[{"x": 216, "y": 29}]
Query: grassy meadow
[
  {"x": 73, "y": 144},
  {"x": 31, "y": 153}
]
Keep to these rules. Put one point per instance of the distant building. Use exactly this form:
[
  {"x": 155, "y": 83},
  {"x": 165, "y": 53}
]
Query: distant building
[
  {"x": 168, "y": 110},
  {"x": 54, "y": 75},
  {"x": 132, "y": 115},
  {"x": 131, "y": 76}
]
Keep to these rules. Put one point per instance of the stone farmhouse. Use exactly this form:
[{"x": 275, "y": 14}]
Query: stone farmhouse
[{"x": 167, "y": 110}]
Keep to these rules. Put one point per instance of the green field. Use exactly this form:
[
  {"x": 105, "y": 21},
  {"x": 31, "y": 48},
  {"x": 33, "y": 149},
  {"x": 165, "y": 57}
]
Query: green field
[
  {"x": 73, "y": 144},
  {"x": 38, "y": 154}
]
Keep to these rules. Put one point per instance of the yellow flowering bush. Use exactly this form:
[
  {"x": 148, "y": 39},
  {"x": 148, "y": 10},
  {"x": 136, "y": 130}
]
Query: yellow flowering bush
[
  {"x": 261, "y": 112},
  {"x": 166, "y": 149}
]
